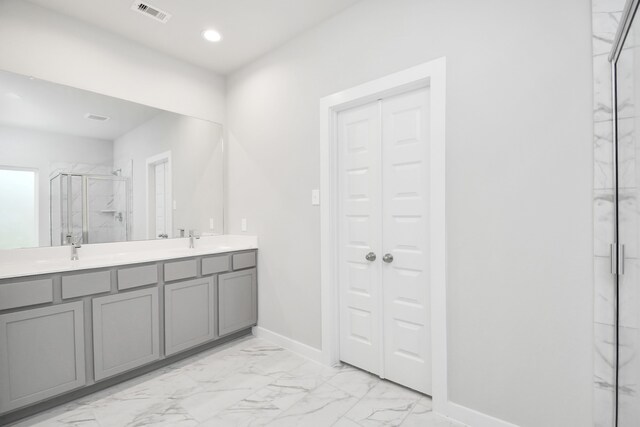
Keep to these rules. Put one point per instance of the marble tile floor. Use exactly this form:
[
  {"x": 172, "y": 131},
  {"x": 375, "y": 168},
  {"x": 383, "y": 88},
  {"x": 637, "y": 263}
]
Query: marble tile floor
[{"x": 249, "y": 382}]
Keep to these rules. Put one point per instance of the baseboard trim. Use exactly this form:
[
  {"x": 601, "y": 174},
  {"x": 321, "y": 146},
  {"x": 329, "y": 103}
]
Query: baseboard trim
[
  {"x": 288, "y": 343},
  {"x": 471, "y": 417}
]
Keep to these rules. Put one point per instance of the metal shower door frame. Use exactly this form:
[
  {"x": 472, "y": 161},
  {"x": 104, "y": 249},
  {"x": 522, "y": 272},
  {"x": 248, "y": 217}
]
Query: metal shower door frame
[
  {"x": 617, "y": 249},
  {"x": 85, "y": 202}
]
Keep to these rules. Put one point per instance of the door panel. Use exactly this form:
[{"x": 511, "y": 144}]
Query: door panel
[
  {"x": 359, "y": 175},
  {"x": 627, "y": 313},
  {"x": 237, "y": 301},
  {"x": 41, "y": 354},
  {"x": 189, "y": 314},
  {"x": 405, "y": 189},
  {"x": 384, "y": 204},
  {"x": 125, "y": 331}
]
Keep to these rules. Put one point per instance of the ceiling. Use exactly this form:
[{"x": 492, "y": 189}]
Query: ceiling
[
  {"x": 249, "y": 28},
  {"x": 40, "y": 105}
]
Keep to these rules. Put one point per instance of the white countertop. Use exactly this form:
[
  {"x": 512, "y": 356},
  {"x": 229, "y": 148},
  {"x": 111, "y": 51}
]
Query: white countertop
[{"x": 34, "y": 261}]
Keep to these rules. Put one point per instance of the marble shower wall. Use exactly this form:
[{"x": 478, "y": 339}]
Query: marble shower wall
[
  {"x": 123, "y": 202},
  {"x": 606, "y": 18}
]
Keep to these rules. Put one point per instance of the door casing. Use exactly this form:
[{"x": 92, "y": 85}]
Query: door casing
[
  {"x": 431, "y": 75},
  {"x": 383, "y": 178}
]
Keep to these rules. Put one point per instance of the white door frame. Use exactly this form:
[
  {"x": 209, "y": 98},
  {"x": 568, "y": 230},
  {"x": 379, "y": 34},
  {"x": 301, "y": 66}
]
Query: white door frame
[
  {"x": 433, "y": 75},
  {"x": 151, "y": 161}
]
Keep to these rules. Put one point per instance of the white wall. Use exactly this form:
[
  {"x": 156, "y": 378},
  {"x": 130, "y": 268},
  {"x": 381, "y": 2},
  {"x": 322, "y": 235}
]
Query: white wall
[
  {"x": 197, "y": 170},
  {"x": 519, "y": 179},
  {"x": 39, "y": 150},
  {"x": 50, "y": 46}
]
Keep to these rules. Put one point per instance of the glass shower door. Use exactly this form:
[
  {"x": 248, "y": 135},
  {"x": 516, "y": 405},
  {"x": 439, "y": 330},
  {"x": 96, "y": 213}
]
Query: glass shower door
[
  {"x": 89, "y": 208},
  {"x": 70, "y": 216},
  {"x": 627, "y": 172}
]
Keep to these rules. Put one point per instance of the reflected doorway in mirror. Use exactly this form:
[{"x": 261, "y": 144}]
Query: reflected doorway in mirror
[{"x": 159, "y": 196}]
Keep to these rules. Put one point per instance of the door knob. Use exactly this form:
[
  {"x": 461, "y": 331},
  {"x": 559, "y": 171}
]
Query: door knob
[
  {"x": 388, "y": 258},
  {"x": 370, "y": 256}
]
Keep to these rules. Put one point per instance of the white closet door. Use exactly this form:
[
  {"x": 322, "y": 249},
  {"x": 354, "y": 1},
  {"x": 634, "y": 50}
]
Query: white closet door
[
  {"x": 406, "y": 286},
  {"x": 360, "y": 209}
]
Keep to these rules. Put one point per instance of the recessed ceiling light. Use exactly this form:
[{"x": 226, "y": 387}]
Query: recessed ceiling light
[{"x": 211, "y": 36}]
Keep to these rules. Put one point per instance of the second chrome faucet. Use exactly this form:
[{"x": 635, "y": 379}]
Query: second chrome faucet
[
  {"x": 193, "y": 236},
  {"x": 75, "y": 245}
]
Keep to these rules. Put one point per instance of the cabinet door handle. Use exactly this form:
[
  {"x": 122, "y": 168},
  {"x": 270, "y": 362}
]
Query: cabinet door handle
[
  {"x": 370, "y": 256},
  {"x": 388, "y": 258}
]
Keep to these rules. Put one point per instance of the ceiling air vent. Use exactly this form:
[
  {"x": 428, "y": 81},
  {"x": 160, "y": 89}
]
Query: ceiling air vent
[
  {"x": 97, "y": 117},
  {"x": 150, "y": 11}
]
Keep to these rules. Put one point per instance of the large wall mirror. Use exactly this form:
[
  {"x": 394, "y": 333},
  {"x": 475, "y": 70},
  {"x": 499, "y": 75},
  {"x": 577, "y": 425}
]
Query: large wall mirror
[{"x": 76, "y": 166}]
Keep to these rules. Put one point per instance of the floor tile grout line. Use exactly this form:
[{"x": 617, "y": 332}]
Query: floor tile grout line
[
  {"x": 344, "y": 414},
  {"x": 317, "y": 387},
  {"x": 409, "y": 412},
  {"x": 379, "y": 380},
  {"x": 302, "y": 396}
]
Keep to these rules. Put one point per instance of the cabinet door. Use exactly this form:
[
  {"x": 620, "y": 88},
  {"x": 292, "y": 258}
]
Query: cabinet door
[
  {"x": 125, "y": 331},
  {"x": 41, "y": 354},
  {"x": 237, "y": 301},
  {"x": 189, "y": 314}
]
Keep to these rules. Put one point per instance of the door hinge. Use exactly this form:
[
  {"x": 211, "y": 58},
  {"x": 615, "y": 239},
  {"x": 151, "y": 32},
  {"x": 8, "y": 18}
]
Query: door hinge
[{"x": 616, "y": 257}]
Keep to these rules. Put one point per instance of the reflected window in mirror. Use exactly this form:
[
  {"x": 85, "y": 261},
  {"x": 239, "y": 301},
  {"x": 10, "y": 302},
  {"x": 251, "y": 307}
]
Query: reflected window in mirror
[{"x": 18, "y": 208}]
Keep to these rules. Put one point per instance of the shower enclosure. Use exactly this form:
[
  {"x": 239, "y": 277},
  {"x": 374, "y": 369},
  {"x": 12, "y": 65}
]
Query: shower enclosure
[
  {"x": 625, "y": 250},
  {"x": 88, "y": 208}
]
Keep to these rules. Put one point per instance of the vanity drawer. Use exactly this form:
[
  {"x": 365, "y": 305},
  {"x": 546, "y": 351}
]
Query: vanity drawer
[
  {"x": 79, "y": 285},
  {"x": 137, "y": 276},
  {"x": 244, "y": 260},
  {"x": 22, "y": 294},
  {"x": 178, "y": 270},
  {"x": 215, "y": 264}
]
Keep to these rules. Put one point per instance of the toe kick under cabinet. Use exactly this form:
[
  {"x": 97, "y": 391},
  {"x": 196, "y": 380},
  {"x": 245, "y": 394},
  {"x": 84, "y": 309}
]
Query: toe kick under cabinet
[{"x": 67, "y": 332}]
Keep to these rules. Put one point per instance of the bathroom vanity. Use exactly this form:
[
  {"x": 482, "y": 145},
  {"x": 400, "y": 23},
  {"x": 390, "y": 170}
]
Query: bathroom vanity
[
  {"x": 69, "y": 328},
  {"x": 113, "y": 256}
]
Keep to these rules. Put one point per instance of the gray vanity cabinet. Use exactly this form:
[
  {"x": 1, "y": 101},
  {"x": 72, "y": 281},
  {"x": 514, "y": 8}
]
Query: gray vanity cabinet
[
  {"x": 122, "y": 320},
  {"x": 237, "y": 301},
  {"x": 125, "y": 331},
  {"x": 41, "y": 354},
  {"x": 189, "y": 314}
]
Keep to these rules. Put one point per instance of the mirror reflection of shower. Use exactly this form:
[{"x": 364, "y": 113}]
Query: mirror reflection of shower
[{"x": 89, "y": 208}]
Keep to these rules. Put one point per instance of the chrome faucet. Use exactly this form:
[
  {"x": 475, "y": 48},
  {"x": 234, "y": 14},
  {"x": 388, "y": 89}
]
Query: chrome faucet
[
  {"x": 74, "y": 250},
  {"x": 192, "y": 238}
]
